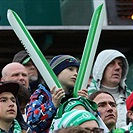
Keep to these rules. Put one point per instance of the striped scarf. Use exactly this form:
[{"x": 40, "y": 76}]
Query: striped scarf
[{"x": 17, "y": 128}]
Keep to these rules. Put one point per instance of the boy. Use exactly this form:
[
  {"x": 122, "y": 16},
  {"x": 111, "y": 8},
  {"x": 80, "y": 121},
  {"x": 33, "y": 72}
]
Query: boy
[
  {"x": 43, "y": 105},
  {"x": 8, "y": 107}
]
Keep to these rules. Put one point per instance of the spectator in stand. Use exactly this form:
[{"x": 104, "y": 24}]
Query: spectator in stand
[
  {"x": 75, "y": 129},
  {"x": 109, "y": 74},
  {"x": 81, "y": 118},
  {"x": 34, "y": 76},
  {"x": 43, "y": 105},
  {"x": 129, "y": 105},
  {"x": 66, "y": 69},
  {"x": 17, "y": 72},
  {"x": 8, "y": 108},
  {"x": 106, "y": 109},
  {"x": 72, "y": 129},
  {"x": 72, "y": 111}
]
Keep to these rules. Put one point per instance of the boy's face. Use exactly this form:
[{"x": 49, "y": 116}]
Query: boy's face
[
  {"x": 67, "y": 77},
  {"x": 8, "y": 107}
]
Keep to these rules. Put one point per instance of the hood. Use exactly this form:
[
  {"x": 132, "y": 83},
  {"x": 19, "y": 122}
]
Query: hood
[{"x": 103, "y": 59}]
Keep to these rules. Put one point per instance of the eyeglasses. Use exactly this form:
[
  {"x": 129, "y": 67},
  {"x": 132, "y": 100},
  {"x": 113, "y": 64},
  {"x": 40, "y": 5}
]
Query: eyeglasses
[{"x": 95, "y": 130}]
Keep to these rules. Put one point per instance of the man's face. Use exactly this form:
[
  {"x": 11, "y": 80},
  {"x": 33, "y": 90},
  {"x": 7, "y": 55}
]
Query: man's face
[
  {"x": 107, "y": 109},
  {"x": 17, "y": 72},
  {"x": 113, "y": 73},
  {"x": 67, "y": 77},
  {"x": 32, "y": 71},
  {"x": 8, "y": 107}
]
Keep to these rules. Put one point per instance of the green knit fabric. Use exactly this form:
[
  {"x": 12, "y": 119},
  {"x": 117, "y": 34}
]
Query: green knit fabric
[{"x": 17, "y": 128}]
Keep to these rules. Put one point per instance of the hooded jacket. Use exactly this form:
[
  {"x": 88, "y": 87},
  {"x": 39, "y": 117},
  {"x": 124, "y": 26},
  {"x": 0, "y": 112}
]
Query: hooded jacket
[{"x": 102, "y": 60}]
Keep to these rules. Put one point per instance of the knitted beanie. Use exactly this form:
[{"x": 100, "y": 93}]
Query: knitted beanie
[
  {"x": 76, "y": 117},
  {"x": 60, "y": 62}
]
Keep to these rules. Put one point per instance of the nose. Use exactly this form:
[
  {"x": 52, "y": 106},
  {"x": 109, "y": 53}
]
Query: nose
[
  {"x": 21, "y": 76},
  {"x": 32, "y": 66},
  {"x": 11, "y": 103},
  {"x": 117, "y": 66},
  {"x": 76, "y": 73},
  {"x": 21, "y": 79},
  {"x": 109, "y": 108}
]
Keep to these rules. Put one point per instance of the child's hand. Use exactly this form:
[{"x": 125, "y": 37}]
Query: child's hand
[
  {"x": 84, "y": 93},
  {"x": 57, "y": 96}
]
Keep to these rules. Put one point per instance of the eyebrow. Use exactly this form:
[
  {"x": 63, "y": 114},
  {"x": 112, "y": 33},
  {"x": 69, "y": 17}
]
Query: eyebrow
[
  {"x": 7, "y": 97},
  {"x": 106, "y": 102},
  {"x": 101, "y": 103}
]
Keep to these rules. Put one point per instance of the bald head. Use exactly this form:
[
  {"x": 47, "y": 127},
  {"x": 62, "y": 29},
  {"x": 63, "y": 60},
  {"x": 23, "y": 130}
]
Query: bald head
[{"x": 17, "y": 72}]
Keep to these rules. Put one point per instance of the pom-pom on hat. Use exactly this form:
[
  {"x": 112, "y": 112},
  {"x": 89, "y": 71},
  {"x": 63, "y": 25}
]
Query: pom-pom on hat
[
  {"x": 75, "y": 118},
  {"x": 129, "y": 101},
  {"x": 60, "y": 62}
]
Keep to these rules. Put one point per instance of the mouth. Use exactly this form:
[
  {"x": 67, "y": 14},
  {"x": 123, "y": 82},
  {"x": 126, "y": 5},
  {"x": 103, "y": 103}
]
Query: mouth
[
  {"x": 22, "y": 83},
  {"x": 116, "y": 75},
  {"x": 31, "y": 72},
  {"x": 110, "y": 116},
  {"x": 12, "y": 111},
  {"x": 74, "y": 79}
]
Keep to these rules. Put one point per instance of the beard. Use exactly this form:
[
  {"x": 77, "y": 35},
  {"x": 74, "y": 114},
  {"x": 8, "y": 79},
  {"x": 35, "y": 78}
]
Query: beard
[{"x": 33, "y": 78}]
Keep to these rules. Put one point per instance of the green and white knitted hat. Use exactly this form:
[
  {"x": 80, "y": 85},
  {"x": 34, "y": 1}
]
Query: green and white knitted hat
[{"x": 75, "y": 118}]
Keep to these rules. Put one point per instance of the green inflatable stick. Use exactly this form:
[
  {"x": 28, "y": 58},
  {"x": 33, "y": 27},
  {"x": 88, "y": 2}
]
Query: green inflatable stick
[
  {"x": 89, "y": 49},
  {"x": 33, "y": 50}
]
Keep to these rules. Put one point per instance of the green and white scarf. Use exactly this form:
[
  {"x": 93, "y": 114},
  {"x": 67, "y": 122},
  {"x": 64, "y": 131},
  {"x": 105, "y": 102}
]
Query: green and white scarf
[{"x": 17, "y": 128}]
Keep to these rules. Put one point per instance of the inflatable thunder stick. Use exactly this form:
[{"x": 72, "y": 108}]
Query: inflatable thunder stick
[
  {"x": 89, "y": 49},
  {"x": 33, "y": 50}
]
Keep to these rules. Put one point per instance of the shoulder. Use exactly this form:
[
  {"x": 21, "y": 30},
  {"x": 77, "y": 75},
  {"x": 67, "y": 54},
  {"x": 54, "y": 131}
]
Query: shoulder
[
  {"x": 93, "y": 87},
  {"x": 73, "y": 102},
  {"x": 128, "y": 91},
  {"x": 41, "y": 93}
]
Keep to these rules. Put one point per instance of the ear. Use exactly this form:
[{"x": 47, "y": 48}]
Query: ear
[
  {"x": 2, "y": 80},
  {"x": 130, "y": 114}
]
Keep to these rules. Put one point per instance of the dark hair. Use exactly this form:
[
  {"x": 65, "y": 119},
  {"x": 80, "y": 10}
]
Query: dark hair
[
  {"x": 95, "y": 94},
  {"x": 127, "y": 120},
  {"x": 131, "y": 108},
  {"x": 72, "y": 129},
  {"x": 23, "y": 95}
]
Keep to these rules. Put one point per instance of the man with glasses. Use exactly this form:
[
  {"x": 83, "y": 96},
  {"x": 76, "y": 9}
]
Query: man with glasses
[
  {"x": 81, "y": 118},
  {"x": 75, "y": 129}
]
